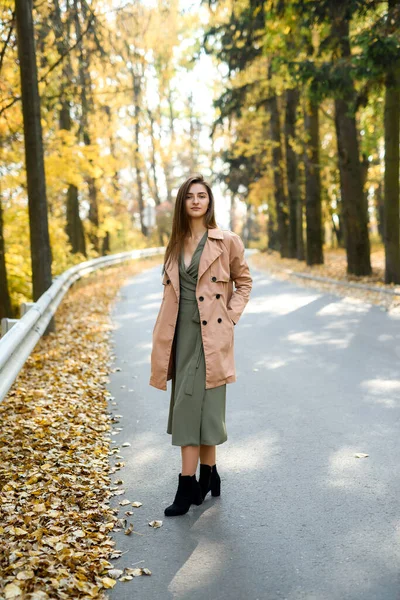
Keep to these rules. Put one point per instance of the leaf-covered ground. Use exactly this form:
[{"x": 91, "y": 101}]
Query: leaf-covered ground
[
  {"x": 334, "y": 267},
  {"x": 55, "y": 515}
]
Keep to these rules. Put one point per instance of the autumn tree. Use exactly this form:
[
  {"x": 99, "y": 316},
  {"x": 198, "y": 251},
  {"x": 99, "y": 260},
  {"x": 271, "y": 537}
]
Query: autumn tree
[{"x": 38, "y": 222}]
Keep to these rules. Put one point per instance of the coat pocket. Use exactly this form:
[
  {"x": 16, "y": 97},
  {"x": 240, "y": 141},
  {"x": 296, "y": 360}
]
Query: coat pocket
[{"x": 220, "y": 269}]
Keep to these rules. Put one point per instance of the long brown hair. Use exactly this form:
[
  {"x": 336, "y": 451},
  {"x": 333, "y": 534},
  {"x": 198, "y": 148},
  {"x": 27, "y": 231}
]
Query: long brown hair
[{"x": 180, "y": 220}]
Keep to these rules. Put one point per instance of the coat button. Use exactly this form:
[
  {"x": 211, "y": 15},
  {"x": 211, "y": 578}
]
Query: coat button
[
  {"x": 204, "y": 322},
  {"x": 214, "y": 278},
  {"x": 218, "y": 296},
  {"x": 220, "y": 320},
  {"x": 201, "y": 298},
  {"x": 168, "y": 281}
]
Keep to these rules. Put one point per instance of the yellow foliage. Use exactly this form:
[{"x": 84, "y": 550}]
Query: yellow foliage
[{"x": 136, "y": 42}]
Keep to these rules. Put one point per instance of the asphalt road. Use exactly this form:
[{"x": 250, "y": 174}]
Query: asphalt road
[{"x": 299, "y": 517}]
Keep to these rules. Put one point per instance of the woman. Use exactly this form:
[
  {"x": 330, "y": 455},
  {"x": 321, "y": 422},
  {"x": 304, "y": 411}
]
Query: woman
[{"x": 193, "y": 336}]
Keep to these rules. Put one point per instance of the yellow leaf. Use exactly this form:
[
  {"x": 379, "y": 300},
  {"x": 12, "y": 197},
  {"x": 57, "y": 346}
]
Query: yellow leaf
[
  {"x": 23, "y": 575},
  {"x": 133, "y": 572},
  {"x": 129, "y": 529},
  {"x": 108, "y": 582},
  {"x": 155, "y": 524},
  {"x": 78, "y": 533},
  {"x": 12, "y": 591}
]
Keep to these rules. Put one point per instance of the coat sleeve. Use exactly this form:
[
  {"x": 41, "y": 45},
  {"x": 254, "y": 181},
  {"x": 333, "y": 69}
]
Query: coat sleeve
[{"x": 240, "y": 274}]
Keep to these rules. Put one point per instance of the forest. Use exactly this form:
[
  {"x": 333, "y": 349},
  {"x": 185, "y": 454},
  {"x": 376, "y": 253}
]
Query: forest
[{"x": 99, "y": 124}]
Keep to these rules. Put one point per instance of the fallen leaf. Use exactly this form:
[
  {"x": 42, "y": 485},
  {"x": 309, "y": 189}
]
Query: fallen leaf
[
  {"x": 78, "y": 533},
  {"x": 137, "y": 504},
  {"x": 55, "y": 438},
  {"x": 129, "y": 529},
  {"x": 138, "y": 571},
  {"x": 12, "y": 590},
  {"x": 23, "y": 575},
  {"x": 115, "y": 573},
  {"x": 108, "y": 583},
  {"x": 134, "y": 572},
  {"x": 121, "y": 523},
  {"x": 155, "y": 524}
]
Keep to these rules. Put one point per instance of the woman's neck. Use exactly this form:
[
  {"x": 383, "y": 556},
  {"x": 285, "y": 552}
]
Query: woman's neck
[{"x": 197, "y": 229}]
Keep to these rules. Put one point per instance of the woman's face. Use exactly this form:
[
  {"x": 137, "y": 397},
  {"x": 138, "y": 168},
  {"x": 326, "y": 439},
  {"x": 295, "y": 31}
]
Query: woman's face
[{"x": 197, "y": 200}]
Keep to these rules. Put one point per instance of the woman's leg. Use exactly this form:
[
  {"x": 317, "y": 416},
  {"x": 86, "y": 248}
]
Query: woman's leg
[
  {"x": 207, "y": 455},
  {"x": 190, "y": 458}
]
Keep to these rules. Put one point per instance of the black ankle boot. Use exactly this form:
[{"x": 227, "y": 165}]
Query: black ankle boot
[
  {"x": 209, "y": 480},
  {"x": 188, "y": 492}
]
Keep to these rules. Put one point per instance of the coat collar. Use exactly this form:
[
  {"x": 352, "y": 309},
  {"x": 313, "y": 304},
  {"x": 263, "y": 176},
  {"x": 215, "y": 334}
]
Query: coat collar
[
  {"x": 210, "y": 252},
  {"x": 216, "y": 234}
]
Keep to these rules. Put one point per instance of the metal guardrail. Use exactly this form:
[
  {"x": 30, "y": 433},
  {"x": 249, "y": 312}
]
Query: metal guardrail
[{"x": 19, "y": 336}]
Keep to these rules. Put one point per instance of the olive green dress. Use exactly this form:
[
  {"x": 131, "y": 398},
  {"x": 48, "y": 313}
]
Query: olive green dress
[{"x": 196, "y": 415}]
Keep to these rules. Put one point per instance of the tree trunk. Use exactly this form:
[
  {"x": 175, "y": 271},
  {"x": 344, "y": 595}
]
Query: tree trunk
[
  {"x": 74, "y": 225},
  {"x": 105, "y": 249},
  {"x": 292, "y": 170},
  {"x": 379, "y": 209},
  {"x": 354, "y": 207},
  {"x": 41, "y": 257},
  {"x": 272, "y": 229},
  {"x": 115, "y": 178},
  {"x": 280, "y": 196},
  {"x": 136, "y": 84},
  {"x": 300, "y": 254},
  {"x": 314, "y": 246},
  {"x": 391, "y": 213},
  {"x": 85, "y": 86},
  {"x": 153, "y": 160},
  {"x": 5, "y": 300},
  {"x": 167, "y": 158}
]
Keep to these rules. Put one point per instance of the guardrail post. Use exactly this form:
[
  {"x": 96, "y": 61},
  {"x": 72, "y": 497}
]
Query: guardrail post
[
  {"x": 6, "y": 325},
  {"x": 25, "y": 306}
]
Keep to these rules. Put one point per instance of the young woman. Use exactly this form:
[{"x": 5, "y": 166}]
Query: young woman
[{"x": 193, "y": 338}]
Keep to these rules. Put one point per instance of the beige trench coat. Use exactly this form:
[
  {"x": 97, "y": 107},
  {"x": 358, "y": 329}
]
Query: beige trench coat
[{"x": 221, "y": 262}]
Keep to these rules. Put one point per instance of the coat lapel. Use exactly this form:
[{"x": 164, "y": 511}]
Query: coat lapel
[{"x": 210, "y": 252}]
